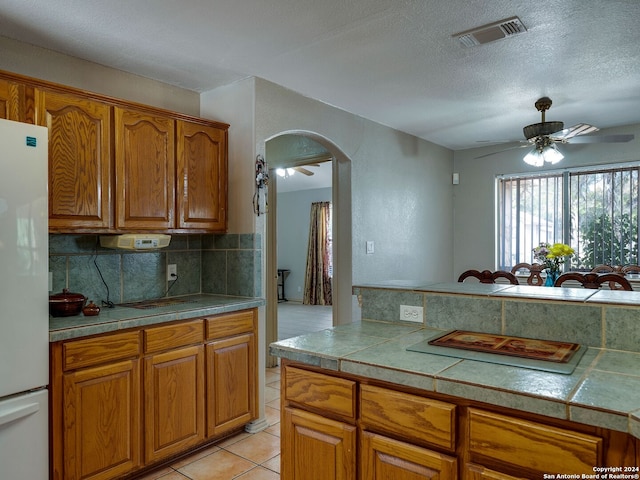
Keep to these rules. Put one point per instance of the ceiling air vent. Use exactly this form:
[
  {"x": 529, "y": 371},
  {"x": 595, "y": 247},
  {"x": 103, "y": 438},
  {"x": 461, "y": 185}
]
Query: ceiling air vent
[{"x": 489, "y": 33}]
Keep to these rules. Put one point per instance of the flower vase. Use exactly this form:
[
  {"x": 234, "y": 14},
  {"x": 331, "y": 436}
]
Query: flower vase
[{"x": 552, "y": 276}]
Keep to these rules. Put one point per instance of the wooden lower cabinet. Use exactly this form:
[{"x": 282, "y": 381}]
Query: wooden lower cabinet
[
  {"x": 382, "y": 458},
  {"x": 102, "y": 421},
  {"x": 95, "y": 407},
  {"x": 412, "y": 435},
  {"x": 230, "y": 384},
  {"x": 174, "y": 401},
  {"x": 124, "y": 401},
  {"x": 317, "y": 448}
]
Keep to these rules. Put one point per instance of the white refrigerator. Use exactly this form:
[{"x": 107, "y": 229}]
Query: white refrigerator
[{"x": 24, "y": 311}]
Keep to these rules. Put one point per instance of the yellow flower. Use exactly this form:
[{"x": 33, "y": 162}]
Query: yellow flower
[{"x": 559, "y": 250}]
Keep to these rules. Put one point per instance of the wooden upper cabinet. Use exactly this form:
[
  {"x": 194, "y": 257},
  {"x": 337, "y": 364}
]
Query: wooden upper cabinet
[
  {"x": 145, "y": 170},
  {"x": 79, "y": 160},
  {"x": 16, "y": 101},
  {"x": 201, "y": 186},
  {"x": 117, "y": 166},
  {"x": 8, "y": 100}
]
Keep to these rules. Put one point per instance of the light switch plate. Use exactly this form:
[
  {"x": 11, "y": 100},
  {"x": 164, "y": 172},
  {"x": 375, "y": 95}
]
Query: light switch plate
[{"x": 370, "y": 247}]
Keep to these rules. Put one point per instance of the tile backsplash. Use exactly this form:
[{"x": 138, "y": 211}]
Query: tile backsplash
[
  {"x": 225, "y": 264},
  {"x": 601, "y": 325}
]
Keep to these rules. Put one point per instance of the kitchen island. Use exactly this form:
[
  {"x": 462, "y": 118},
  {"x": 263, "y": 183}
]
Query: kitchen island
[
  {"x": 481, "y": 419},
  {"x": 135, "y": 387}
]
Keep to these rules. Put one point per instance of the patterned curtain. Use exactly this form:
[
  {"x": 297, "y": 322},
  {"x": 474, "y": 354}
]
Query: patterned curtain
[{"x": 317, "y": 280}]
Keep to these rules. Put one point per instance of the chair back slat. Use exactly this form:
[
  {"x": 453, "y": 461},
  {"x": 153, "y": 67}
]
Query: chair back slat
[
  {"x": 487, "y": 276},
  {"x": 534, "y": 270},
  {"x": 595, "y": 280}
]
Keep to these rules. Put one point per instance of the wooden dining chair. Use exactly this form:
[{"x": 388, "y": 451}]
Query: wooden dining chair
[
  {"x": 595, "y": 280},
  {"x": 487, "y": 276},
  {"x": 602, "y": 268},
  {"x": 534, "y": 270},
  {"x": 632, "y": 269}
]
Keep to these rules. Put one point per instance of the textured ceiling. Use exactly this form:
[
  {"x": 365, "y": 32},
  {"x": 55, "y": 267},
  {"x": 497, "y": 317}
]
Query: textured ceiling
[{"x": 391, "y": 61}]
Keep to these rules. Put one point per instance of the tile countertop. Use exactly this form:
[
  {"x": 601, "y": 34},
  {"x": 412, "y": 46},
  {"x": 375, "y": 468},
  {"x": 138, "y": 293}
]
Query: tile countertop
[
  {"x": 121, "y": 317},
  {"x": 603, "y": 390},
  {"x": 580, "y": 294}
]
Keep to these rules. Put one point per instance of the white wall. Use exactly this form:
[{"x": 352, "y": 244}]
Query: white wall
[
  {"x": 474, "y": 199},
  {"x": 401, "y": 190},
  {"x": 40, "y": 63},
  {"x": 234, "y": 104},
  {"x": 293, "y": 235}
]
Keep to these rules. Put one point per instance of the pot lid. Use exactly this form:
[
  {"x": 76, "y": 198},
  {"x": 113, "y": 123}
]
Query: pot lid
[{"x": 67, "y": 296}]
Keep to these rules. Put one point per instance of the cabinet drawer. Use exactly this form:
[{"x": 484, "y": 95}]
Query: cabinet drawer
[
  {"x": 230, "y": 324},
  {"x": 530, "y": 445},
  {"x": 172, "y": 336},
  {"x": 408, "y": 415},
  {"x": 330, "y": 394},
  {"x": 102, "y": 349},
  {"x": 478, "y": 472}
]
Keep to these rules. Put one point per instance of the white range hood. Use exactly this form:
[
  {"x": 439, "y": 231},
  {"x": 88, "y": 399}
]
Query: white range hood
[{"x": 135, "y": 241}]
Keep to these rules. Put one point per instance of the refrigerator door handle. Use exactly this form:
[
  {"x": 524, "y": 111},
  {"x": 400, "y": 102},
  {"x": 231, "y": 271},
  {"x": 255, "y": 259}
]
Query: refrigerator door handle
[{"x": 13, "y": 414}]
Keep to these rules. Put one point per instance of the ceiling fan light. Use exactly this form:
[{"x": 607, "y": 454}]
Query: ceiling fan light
[
  {"x": 552, "y": 155},
  {"x": 541, "y": 154},
  {"x": 285, "y": 172},
  {"x": 534, "y": 158}
]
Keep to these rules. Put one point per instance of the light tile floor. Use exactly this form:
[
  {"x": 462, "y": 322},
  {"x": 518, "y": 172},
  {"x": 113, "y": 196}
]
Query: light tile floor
[
  {"x": 296, "y": 319},
  {"x": 242, "y": 457},
  {"x": 251, "y": 456}
]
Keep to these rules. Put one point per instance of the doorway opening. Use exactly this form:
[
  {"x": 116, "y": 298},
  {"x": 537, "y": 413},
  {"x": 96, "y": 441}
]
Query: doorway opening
[{"x": 304, "y": 158}]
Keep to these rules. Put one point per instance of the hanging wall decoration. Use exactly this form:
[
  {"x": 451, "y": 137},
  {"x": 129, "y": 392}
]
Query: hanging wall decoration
[{"x": 260, "y": 203}]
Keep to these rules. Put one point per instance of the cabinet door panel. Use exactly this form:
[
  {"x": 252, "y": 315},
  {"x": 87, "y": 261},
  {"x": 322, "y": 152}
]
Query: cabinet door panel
[
  {"x": 174, "y": 401},
  {"x": 79, "y": 160},
  {"x": 317, "y": 448},
  {"x": 11, "y": 95},
  {"x": 383, "y": 458},
  {"x": 145, "y": 170},
  {"x": 231, "y": 383},
  {"x": 102, "y": 421},
  {"x": 202, "y": 176}
]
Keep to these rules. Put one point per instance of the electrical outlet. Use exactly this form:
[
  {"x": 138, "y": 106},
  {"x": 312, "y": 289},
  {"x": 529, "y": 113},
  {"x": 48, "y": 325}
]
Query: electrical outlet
[
  {"x": 172, "y": 272},
  {"x": 411, "y": 314}
]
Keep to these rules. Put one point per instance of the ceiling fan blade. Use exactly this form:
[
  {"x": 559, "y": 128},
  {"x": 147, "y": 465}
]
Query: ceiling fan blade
[
  {"x": 602, "y": 139},
  {"x": 304, "y": 171},
  {"x": 578, "y": 129},
  {"x": 503, "y": 150}
]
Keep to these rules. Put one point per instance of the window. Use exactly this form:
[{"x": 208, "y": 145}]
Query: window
[{"x": 594, "y": 210}]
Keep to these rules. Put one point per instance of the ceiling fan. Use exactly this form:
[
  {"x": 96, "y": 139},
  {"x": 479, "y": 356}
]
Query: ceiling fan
[
  {"x": 304, "y": 171},
  {"x": 303, "y": 163},
  {"x": 544, "y": 136}
]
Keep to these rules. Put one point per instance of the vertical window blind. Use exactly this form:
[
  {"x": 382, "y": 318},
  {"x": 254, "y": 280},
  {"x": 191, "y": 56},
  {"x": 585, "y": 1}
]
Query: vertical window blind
[{"x": 595, "y": 211}]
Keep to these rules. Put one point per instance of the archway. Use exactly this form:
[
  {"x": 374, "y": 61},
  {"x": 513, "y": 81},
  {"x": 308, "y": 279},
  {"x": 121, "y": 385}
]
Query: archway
[{"x": 342, "y": 270}]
